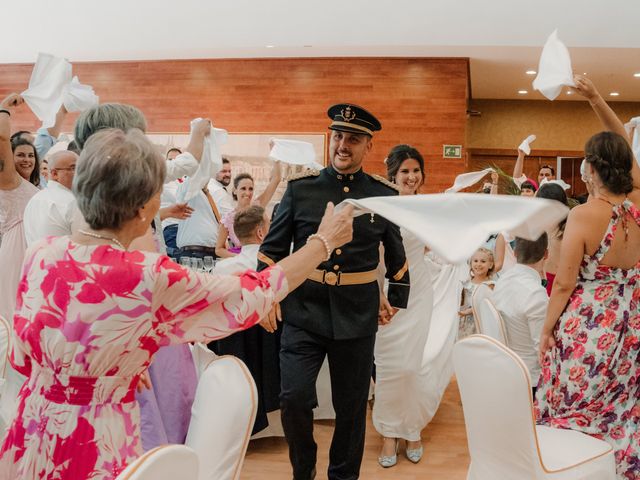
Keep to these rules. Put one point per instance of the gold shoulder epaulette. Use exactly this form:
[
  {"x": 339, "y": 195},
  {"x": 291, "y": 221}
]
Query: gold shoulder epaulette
[
  {"x": 385, "y": 181},
  {"x": 307, "y": 173}
]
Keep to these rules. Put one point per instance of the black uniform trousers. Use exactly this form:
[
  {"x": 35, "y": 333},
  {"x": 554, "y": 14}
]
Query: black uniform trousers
[{"x": 350, "y": 363}]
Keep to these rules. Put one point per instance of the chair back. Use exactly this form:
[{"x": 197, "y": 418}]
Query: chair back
[
  {"x": 222, "y": 418},
  {"x": 166, "y": 462},
  {"x": 491, "y": 323},
  {"x": 481, "y": 292},
  {"x": 498, "y": 409}
]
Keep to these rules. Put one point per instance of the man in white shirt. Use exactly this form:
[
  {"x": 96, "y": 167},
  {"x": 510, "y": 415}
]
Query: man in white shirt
[
  {"x": 253, "y": 227},
  {"x": 50, "y": 212},
  {"x": 522, "y": 301},
  {"x": 197, "y": 234},
  {"x": 167, "y": 200}
]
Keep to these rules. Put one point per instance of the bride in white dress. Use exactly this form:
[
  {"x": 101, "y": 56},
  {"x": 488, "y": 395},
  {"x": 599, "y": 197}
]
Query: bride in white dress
[{"x": 398, "y": 412}]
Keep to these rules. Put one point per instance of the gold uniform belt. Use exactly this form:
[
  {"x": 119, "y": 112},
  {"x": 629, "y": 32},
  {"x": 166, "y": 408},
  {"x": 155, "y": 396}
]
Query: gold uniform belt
[{"x": 337, "y": 279}]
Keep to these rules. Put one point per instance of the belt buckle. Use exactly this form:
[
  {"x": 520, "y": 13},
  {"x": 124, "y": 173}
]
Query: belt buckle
[{"x": 331, "y": 278}]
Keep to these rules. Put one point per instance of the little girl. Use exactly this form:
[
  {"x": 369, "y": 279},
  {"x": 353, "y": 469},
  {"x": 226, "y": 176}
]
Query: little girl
[{"x": 481, "y": 271}]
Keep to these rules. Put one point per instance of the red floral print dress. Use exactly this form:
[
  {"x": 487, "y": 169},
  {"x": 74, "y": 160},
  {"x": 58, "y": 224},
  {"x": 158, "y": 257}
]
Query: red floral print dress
[
  {"x": 87, "y": 323},
  {"x": 590, "y": 381}
]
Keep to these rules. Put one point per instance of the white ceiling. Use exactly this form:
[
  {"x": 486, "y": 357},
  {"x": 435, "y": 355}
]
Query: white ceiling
[{"x": 503, "y": 38}]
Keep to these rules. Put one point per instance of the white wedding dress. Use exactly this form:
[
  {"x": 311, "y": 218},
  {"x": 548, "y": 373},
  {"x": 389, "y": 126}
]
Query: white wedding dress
[{"x": 399, "y": 410}]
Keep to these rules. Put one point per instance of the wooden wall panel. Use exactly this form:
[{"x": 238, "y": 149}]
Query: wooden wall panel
[{"x": 419, "y": 101}]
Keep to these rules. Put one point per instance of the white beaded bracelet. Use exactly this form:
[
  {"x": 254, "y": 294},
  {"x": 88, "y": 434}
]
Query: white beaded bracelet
[{"x": 323, "y": 239}]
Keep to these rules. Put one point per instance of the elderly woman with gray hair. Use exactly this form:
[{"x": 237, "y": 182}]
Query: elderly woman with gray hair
[{"x": 90, "y": 315}]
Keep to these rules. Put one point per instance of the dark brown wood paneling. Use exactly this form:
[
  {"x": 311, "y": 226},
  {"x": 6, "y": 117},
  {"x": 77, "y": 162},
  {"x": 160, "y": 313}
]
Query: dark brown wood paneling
[{"x": 419, "y": 101}]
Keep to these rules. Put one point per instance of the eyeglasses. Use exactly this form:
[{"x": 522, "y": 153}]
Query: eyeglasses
[{"x": 72, "y": 168}]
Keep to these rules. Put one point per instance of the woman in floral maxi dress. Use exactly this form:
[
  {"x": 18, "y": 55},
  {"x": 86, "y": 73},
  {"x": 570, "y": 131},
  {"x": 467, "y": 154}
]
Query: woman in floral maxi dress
[
  {"x": 90, "y": 315},
  {"x": 590, "y": 345}
]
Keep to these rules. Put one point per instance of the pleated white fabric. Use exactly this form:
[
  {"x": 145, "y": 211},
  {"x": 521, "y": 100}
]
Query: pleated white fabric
[{"x": 399, "y": 410}]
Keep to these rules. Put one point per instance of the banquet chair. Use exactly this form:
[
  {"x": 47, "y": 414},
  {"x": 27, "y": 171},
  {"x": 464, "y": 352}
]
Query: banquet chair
[
  {"x": 166, "y": 462},
  {"x": 202, "y": 357},
  {"x": 504, "y": 441},
  {"x": 491, "y": 322},
  {"x": 222, "y": 418},
  {"x": 480, "y": 293}
]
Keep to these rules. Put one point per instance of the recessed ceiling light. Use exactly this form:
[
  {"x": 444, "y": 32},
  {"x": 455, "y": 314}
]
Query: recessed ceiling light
[
  {"x": 530, "y": 72},
  {"x": 614, "y": 94},
  {"x": 637, "y": 74},
  {"x": 522, "y": 92},
  {"x": 569, "y": 92},
  {"x": 584, "y": 73},
  {"x": 269, "y": 46}
]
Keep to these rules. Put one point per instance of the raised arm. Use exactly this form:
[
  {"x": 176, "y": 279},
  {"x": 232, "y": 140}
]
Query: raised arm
[
  {"x": 196, "y": 141},
  {"x": 8, "y": 174},
  {"x": 519, "y": 166},
  {"x": 274, "y": 180},
  {"x": 607, "y": 116}
]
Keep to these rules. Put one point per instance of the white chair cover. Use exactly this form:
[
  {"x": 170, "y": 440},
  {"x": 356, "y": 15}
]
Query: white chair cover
[
  {"x": 480, "y": 293},
  {"x": 202, "y": 357},
  {"x": 166, "y": 462},
  {"x": 504, "y": 441},
  {"x": 222, "y": 417},
  {"x": 491, "y": 323}
]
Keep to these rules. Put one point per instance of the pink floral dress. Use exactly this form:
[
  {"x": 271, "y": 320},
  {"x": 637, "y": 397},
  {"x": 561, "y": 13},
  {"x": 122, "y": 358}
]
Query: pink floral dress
[
  {"x": 591, "y": 380},
  {"x": 88, "y": 322}
]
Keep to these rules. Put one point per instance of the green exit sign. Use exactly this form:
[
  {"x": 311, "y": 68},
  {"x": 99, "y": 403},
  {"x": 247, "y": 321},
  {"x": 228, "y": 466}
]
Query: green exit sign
[{"x": 452, "y": 151}]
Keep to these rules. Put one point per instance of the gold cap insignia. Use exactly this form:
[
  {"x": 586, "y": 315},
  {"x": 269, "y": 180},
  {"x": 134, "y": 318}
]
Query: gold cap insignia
[{"x": 348, "y": 114}]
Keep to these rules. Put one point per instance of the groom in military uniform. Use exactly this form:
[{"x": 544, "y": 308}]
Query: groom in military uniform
[{"x": 335, "y": 313}]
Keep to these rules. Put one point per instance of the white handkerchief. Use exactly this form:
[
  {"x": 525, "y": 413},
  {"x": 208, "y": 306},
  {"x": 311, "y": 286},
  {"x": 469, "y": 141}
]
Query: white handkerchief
[
  {"x": 44, "y": 96},
  {"x": 77, "y": 97},
  {"x": 635, "y": 144},
  {"x": 465, "y": 180},
  {"x": 554, "y": 69},
  {"x": 525, "y": 146},
  {"x": 455, "y": 225},
  {"x": 557, "y": 181},
  {"x": 210, "y": 163},
  {"x": 293, "y": 152}
]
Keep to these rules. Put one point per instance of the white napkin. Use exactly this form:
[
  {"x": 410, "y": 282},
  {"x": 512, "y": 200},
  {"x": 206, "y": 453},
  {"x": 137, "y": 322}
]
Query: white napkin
[
  {"x": 465, "y": 180},
  {"x": 557, "y": 181},
  {"x": 455, "y": 225},
  {"x": 77, "y": 97},
  {"x": 293, "y": 152},
  {"x": 635, "y": 144},
  {"x": 44, "y": 96},
  {"x": 554, "y": 69},
  {"x": 210, "y": 163},
  {"x": 525, "y": 146}
]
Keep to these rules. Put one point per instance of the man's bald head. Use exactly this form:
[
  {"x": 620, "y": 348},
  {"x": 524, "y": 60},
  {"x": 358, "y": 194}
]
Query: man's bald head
[{"x": 62, "y": 167}]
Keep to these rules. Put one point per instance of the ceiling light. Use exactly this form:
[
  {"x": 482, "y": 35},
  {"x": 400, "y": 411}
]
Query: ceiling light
[
  {"x": 522, "y": 92},
  {"x": 569, "y": 92},
  {"x": 637, "y": 74},
  {"x": 584, "y": 73},
  {"x": 614, "y": 94},
  {"x": 269, "y": 46},
  {"x": 530, "y": 72}
]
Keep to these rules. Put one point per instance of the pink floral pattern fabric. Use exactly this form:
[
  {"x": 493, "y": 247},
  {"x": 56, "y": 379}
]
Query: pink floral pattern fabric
[
  {"x": 591, "y": 380},
  {"x": 88, "y": 321}
]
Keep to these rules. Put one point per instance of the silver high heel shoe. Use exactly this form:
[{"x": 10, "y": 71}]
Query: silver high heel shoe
[
  {"x": 387, "y": 461},
  {"x": 415, "y": 454}
]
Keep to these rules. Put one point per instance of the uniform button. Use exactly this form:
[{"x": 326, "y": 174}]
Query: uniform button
[
  {"x": 338, "y": 252},
  {"x": 336, "y": 267},
  {"x": 346, "y": 189},
  {"x": 339, "y": 177},
  {"x": 350, "y": 177}
]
